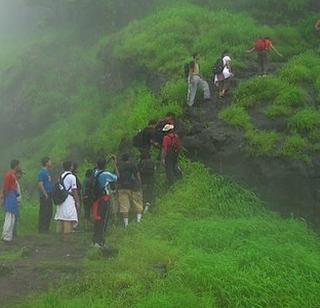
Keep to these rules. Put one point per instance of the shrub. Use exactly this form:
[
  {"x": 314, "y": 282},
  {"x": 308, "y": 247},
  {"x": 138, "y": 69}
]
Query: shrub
[
  {"x": 305, "y": 120},
  {"x": 237, "y": 116},
  {"x": 261, "y": 143},
  {"x": 273, "y": 111},
  {"x": 294, "y": 147}
]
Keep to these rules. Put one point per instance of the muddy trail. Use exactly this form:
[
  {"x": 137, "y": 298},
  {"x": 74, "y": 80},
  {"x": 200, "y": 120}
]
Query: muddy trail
[{"x": 35, "y": 263}]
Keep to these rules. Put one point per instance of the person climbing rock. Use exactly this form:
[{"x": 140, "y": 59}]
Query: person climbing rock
[
  {"x": 222, "y": 73},
  {"x": 171, "y": 148},
  {"x": 102, "y": 196},
  {"x": 129, "y": 189},
  {"x": 147, "y": 171},
  {"x": 45, "y": 187},
  {"x": 66, "y": 212},
  {"x": 195, "y": 80},
  {"x": 10, "y": 197},
  {"x": 261, "y": 47}
]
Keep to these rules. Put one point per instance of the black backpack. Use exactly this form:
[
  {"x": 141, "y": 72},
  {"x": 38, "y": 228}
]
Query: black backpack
[
  {"x": 60, "y": 193},
  {"x": 137, "y": 140},
  {"x": 147, "y": 167},
  {"x": 218, "y": 67},
  {"x": 94, "y": 192}
]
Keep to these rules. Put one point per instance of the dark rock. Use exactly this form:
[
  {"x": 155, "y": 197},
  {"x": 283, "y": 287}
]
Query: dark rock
[{"x": 5, "y": 270}]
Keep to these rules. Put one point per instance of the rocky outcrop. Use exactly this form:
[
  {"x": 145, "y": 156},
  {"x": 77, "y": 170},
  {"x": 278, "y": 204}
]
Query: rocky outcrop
[{"x": 289, "y": 187}]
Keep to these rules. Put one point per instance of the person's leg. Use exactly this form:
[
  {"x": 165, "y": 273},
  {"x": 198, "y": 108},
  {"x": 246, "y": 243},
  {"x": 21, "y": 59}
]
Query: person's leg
[
  {"x": 192, "y": 89},
  {"x": 205, "y": 87},
  {"x": 137, "y": 201},
  {"x": 124, "y": 205},
  {"x": 49, "y": 212},
  {"x": 42, "y": 216},
  {"x": 99, "y": 225},
  {"x": 7, "y": 234},
  {"x": 169, "y": 169}
]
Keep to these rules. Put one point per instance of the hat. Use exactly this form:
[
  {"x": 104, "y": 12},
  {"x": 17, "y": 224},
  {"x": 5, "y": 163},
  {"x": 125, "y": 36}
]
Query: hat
[{"x": 168, "y": 127}]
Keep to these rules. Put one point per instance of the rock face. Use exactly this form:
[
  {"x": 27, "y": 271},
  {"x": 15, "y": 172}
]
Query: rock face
[{"x": 287, "y": 186}]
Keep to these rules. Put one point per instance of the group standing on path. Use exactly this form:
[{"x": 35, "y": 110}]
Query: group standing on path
[{"x": 103, "y": 194}]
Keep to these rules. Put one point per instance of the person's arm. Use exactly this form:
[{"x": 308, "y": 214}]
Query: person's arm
[
  {"x": 251, "y": 50},
  {"x": 42, "y": 189},
  {"x": 276, "y": 51},
  {"x": 115, "y": 165},
  {"x": 76, "y": 197}
]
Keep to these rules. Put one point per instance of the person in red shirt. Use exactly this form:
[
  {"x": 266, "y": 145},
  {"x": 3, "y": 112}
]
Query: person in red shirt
[
  {"x": 171, "y": 147},
  {"x": 10, "y": 196},
  {"x": 261, "y": 47}
]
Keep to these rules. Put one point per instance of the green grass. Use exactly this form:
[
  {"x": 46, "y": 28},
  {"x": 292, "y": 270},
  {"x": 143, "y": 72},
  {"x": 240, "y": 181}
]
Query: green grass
[
  {"x": 207, "y": 242},
  {"x": 236, "y": 116},
  {"x": 291, "y": 94}
]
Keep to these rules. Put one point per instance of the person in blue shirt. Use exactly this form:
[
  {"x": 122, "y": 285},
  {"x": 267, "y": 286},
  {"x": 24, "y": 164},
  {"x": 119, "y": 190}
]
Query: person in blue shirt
[
  {"x": 101, "y": 205},
  {"x": 45, "y": 186}
]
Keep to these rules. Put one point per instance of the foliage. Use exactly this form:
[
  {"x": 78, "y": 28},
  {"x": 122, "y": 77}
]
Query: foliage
[
  {"x": 207, "y": 242},
  {"x": 305, "y": 120},
  {"x": 294, "y": 147},
  {"x": 236, "y": 116},
  {"x": 261, "y": 142}
]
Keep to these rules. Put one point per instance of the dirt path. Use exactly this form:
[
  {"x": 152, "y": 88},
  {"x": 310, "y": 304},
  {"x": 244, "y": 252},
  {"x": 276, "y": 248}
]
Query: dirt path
[{"x": 35, "y": 263}]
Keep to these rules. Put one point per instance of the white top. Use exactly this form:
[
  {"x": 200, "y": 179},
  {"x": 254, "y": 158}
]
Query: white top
[
  {"x": 67, "y": 210},
  {"x": 226, "y": 72}
]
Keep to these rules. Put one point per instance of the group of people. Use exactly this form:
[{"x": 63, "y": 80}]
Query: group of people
[
  {"x": 103, "y": 193},
  {"x": 222, "y": 70}
]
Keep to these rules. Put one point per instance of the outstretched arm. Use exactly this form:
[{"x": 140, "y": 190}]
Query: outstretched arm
[
  {"x": 276, "y": 51},
  {"x": 251, "y": 50}
]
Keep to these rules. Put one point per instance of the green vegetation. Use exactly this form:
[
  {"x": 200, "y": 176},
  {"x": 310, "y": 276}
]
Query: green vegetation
[
  {"x": 292, "y": 94},
  {"x": 208, "y": 242}
]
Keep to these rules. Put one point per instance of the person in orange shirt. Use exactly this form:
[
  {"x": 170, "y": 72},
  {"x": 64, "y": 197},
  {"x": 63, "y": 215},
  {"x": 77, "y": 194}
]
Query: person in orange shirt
[{"x": 261, "y": 47}]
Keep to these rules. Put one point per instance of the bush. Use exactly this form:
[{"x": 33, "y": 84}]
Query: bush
[
  {"x": 237, "y": 116},
  {"x": 262, "y": 143},
  {"x": 294, "y": 147},
  {"x": 305, "y": 120}
]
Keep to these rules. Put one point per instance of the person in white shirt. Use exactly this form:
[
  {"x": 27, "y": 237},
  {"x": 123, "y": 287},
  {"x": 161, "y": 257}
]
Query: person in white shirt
[
  {"x": 221, "y": 79},
  {"x": 66, "y": 214}
]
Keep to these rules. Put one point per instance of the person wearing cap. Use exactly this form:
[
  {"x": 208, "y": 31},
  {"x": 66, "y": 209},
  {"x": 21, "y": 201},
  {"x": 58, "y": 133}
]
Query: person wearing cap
[
  {"x": 171, "y": 147},
  {"x": 10, "y": 196},
  {"x": 130, "y": 189}
]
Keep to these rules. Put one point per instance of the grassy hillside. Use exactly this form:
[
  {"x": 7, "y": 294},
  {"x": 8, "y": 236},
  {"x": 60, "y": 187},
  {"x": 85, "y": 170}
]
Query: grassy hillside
[{"x": 208, "y": 242}]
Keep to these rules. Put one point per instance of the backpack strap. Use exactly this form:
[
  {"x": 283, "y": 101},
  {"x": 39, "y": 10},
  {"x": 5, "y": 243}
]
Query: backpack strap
[{"x": 62, "y": 180}]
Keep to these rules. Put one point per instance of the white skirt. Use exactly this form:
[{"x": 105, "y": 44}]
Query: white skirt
[{"x": 67, "y": 210}]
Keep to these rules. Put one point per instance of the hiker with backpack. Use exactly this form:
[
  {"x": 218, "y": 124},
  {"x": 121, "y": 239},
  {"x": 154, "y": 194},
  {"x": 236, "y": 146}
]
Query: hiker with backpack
[
  {"x": 45, "y": 187},
  {"x": 146, "y": 137},
  {"x": 65, "y": 196},
  {"x": 222, "y": 73},
  {"x": 10, "y": 195},
  {"x": 147, "y": 170},
  {"x": 171, "y": 148},
  {"x": 101, "y": 206},
  {"x": 129, "y": 189},
  {"x": 195, "y": 81},
  {"x": 261, "y": 47}
]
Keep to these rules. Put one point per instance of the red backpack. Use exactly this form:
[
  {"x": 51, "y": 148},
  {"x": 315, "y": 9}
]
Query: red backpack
[{"x": 261, "y": 44}]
